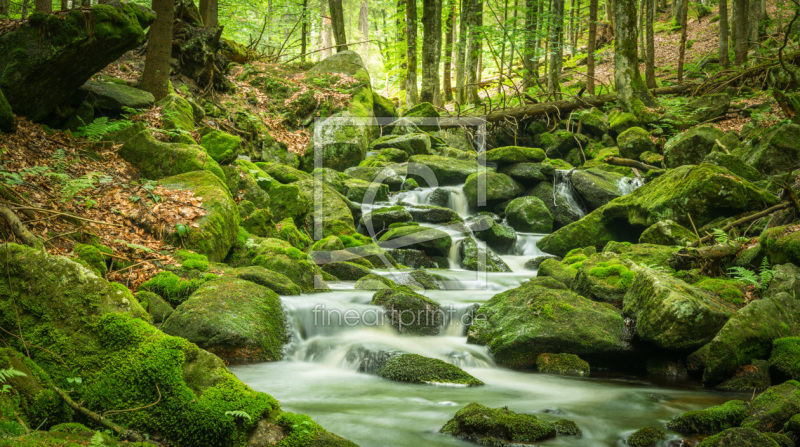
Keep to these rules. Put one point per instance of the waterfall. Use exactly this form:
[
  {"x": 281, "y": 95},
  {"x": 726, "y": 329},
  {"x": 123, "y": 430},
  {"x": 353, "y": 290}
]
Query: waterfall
[
  {"x": 627, "y": 185},
  {"x": 562, "y": 187}
]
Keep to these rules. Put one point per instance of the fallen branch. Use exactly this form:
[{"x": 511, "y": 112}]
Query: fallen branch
[
  {"x": 744, "y": 220},
  {"x": 689, "y": 258},
  {"x": 59, "y": 213},
  {"x": 18, "y": 228},
  {"x": 629, "y": 163},
  {"x": 94, "y": 417}
]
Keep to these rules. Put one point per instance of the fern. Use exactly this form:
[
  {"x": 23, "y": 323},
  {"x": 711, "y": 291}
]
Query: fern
[
  {"x": 101, "y": 127},
  {"x": 720, "y": 236},
  {"x": 765, "y": 273},
  {"x": 97, "y": 440},
  {"x": 239, "y": 414},
  {"x": 72, "y": 187},
  {"x": 745, "y": 276},
  {"x": 9, "y": 373}
]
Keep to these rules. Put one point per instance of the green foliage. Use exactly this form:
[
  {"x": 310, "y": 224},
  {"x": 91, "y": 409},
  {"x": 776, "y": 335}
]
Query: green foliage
[
  {"x": 101, "y": 127},
  {"x": 760, "y": 279},
  {"x": 239, "y": 414},
  {"x": 5, "y": 375}
]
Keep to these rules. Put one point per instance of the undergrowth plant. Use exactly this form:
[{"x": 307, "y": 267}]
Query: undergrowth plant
[
  {"x": 5, "y": 375},
  {"x": 760, "y": 279}
]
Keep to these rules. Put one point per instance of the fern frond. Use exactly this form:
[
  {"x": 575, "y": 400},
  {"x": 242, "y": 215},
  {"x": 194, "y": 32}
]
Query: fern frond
[
  {"x": 8, "y": 373},
  {"x": 744, "y": 275},
  {"x": 239, "y": 414},
  {"x": 720, "y": 236}
]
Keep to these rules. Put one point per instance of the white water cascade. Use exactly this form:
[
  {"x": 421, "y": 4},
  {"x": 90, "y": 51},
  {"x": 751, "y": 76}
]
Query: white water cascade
[{"x": 562, "y": 187}]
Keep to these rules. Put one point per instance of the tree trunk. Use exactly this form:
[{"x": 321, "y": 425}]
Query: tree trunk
[
  {"x": 304, "y": 32},
  {"x": 677, "y": 8},
  {"x": 633, "y": 93},
  {"x": 461, "y": 55},
  {"x": 400, "y": 50},
  {"x": 757, "y": 12},
  {"x": 512, "y": 45},
  {"x": 591, "y": 46},
  {"x": 155, "y": 78},
  {"x": 611, "y": 14},
  {"x": 450, "y": 24},
  {"x": 325, "y": 31},
  {"x": 502, "y": 50},
  {"x": 337, "y": 23},
  {"x": 45, "y": 6},
  {"x": 684, "y": 30},
  {"x": 5, "y": 8},
  {"x": 474, "y": 52},
  {"x": 642, "y": 33},
  {"x": 740, "y": 8},
  {"x": 24, "y": 12},
  {"x": 64, "y": 5},
  {"x": 363, "y": 27},
  {"x": 431, "y": 48},
  {"x": 530, "y": 43},
  {"x": 650, "y": 64},
  {"x": 556, "y": 49},
  {"x": 411, "y": 38},
  {"x": 571, "y": 28},
  {"x": 724, "y": 59}
]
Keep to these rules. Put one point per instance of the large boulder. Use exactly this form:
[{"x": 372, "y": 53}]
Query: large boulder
[
  {"x": 508, "y": 155},
  {"x": 667, "y": 232},
  {"x": 333, "y": 206},
  {"x": 233, "y": 318},
  {"x": 748, "y": 334},
  {"x": 705, "y": 192},
  {"x": 36, "y": 78},
  {"x": 634, "y": 142},
  {"x": 221, "y": 146},
  {"x": 711, "y": 420},
  {"x": 281, "y": 257},
  {"x": 156, "y": 159},
  {"x": 410, "y": 312},
  {"x": 432, "y": 241},
  {"x": 529, "y": 215},
  {"x": 672, "y": 314},
  {"x": 774, "y": 407},
  {"x": 112, "y": 97},
  {"x": 413, "y": 368},
  {"x": 381, "y": 218},
  {"x": 603, "y": 277},
  {"x": 215, "y": 233},
  {"x": 776, "y": 152},
  {"x": 411, "y": 144},
  {"x": 435, "y": 170},
  {"x": 491, "y": 189},
  {"x": 710, "y": 106},
  {"x": 598, "y": 187},
  {"x": 542, "y": 316},
  {"x": 691, "y": 147},
  {"x": 497, "y": 426},
  {"x": 564, "y": 212},
  {"x": 745, "y": 437},
  {"x": 80, "y": 322},
  {"x": 782, "y": 244},
  {"x": 474, "y": 257}
]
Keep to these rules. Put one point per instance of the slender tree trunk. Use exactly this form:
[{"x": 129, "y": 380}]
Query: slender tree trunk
[
  {"x": 363, "y": 27},
  {"x": 684, "y": 30},
  {"x": 64, "y": 5},
  {"x": 724, "y": 59},
  {"x": 155, "y": 78},
  {"x": 337, "y": 23},
  {"x": 740, "y": 30},
  {"x": 5, "y": 8},
  {"x": 304, "y": 32},
  {"x": 431, "y": 49},
  {"x": 461, "y": 56},
  {"x": 530, "y": 42},
  {"x": 400, "y": 50},
  {"x": 611, "y": 14},
  {"x": 633, "y": 95},
  {"x": 571, "y": 28},
  {"x": 209, "y": 12},
  {"x": 474, "y": 53},
  {"x": 325, "y": 31},
  {"x": 591, "y": 46},
  {"x": 24, "y": 12},
  {"x": 411, "y": 38},
  {"x": 502, "y": 50},
  {"x": 757, "y": 12},
  {"x": 512, "y": 45},
  {"x": 556, "y": 49},
  {"x": 650, "y": 59},
  {"x": 450, "y": 24},
  {"x": 642, "y": 47},
  {"x": 578, "y": 27},
  {"x": 44, "y": 6}
]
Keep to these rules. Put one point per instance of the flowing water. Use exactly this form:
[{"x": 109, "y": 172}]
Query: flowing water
[{"x": 336, "y": 333}]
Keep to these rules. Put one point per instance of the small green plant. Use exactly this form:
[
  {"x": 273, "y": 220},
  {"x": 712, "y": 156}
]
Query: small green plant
[
  {"x": 97, "y": 440},
  {"x": 7, "y": 374},
  {"x": 760, "y": 280},
  {"x": 101, "y": 127},
  {"x": 239, "y": 414}
]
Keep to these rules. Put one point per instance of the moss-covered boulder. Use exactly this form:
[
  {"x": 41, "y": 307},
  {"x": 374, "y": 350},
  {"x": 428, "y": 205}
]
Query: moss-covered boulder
[
  {"x": 111, "y": 97},
  {"x": 215, "y": 233},
  {"x": 776, "y": 152},
  {"x": 432, "y": 241},
  {"x": 745, "y": 437},
  {"x": 634, "y": 142},
  {"x": 346, "y": 271},
  {"x": 178, "y": 118},
  {"x": 84, "y": 323},
  {"x": 7, "y": 123},
  {"x": 691, "y": 147},
  {"x": 475, "y": 257},
  {"x": 597, "y": 187},
  {"x": 530, "y": 173},
  {"x": 155, "y": 159},
  {"x": 750, "y": 378},
  {"x": 667, "y": 232},
  {"x": 92, "y": 257},
  {"x": 274, "y": 281},
  {"x": 594, "y": 123},
  {"x": 491, "y": 188},
  {"x": 711, "y": 420},
  {"x": 386, "y": 175},
  {"x": 498, "y": 237},
  {"x": 647, "y": 437},
  {"x": 413, "y": 368},
  {"x": 774, "y": 407},
  {"x": 172, "y": 287},
  {"x": 287, "y": 201},
  {"x": 221, "y": 146},
  {"x": 782, "y": 244},
  {"x": 365, "y": 192},
  {"x": 562, "y": 364},
  {"x": 603, "y": 277},
  {"x": 383, "y": 107},
  {"x": 672, "y": 314},
  {"x": 542, "y": 316},
  {"x": 411, "y": 144},
  {"x": 435, "y": 170},
  {"x": 497, "y": 426},
  {"x": 784, "y": 360},
  {"x": 233, "y": 318},
  {"x": 38, "y": 78},
  {"x": 705, "y": 192},
  {"x": 564, "y": 212},
  {"x": 279, "y": 256},
  {"x": 749, "y": 334},
  {"x": 530, "y": 215},
  {"x": 410, "y": 312},
  {"x": 374, "y": 282},
  {"x": 560, "y": 271},
  {"x": 734, "y": 164},
  {"x": 156, "y": 306},
  {"x": 621, "y": 121},
  {"x": 508, "y": 155},
  {"x": 381, "y": 218}
]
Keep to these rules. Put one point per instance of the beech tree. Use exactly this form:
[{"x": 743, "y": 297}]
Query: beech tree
[
  {"x": 337, "y": 23},
  {"x": 450, "y": 25},
  {"x": 591, "y": 46},
  {"x": 632, "y": 92},
  {"x": 431, "y": 49},
  {"x": 155, "y": 78},
  {"x": 556, "y": 49},
  {"x": 411, "y": 53},
  {"x": 724, "y": 59}
]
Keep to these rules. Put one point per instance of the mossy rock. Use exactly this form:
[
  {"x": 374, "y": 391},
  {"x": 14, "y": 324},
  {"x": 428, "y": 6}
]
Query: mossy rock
[
  {"x": 667, "y": 232},
  {"x": 744, "y": 437},
  {"x": 99, "y": 329},
  {"x": 774, "y": 407},
  {"x": 383, "y": 107},
  {"x": 672, "y": 314},
  {"x": 621, "y": 121},
  {"x": 172, "y": 287},
  {"x": 476, "y": 258},
  {"x": 432, "y": 241},
  {"x": 111, "y": 97},
  {"x": 785, "y": 358},
  {"x": 597, "y": 186},
  {"x": 366, "y": 192},
  {"x": 259, "y": 223},
  {"x": 530, "y": 173},
  {"x": 529, "y": 215},
  {"x": 729, "y": 290},
  {"x": 691, "y": 147},
  {"x": 634, "y": 142},
  {"x": 233, "y": 318},
  {"x": 436, "y": 170},
  {"x": 734, "y": 164},
  {"x": 221, "y": 146},
  {"x": 497, "y": 426},
  {"x": 335, "y": 207},
  {"x": 381, "y": 218},
  {"x": 645, "y": 255},
  {"x": 7, "y": 123},
  {"x": 562, "y": 364},
  {"x": 281, "y": 172},
  {"x": 508, "y": 155},
  {"x": 410, "y": 312},
  {"x": 279, "y": 256},
  {"x": 705, "y": 192},
  {"x": 594, "y": 123},
  {"x": 93, "y": 258},
  {"x": 711, "y": 420},
  {"x": 288, "y": 231},
  {"x": 192, "y": 261},
  {"x": 782, "y": 244},
  {"x": 287, "y": 201},
  {"x": 156, "y": 160},
  {"x": 346, "y": 271},
  {"x": 156, "y": 306},
  {"x": 647, "y": 437},
  {"x": 274, "y": 281},
  {"x": 776, "y": 152},
  {"x": 301, "y": 430},
  {"x": 603, "y": 277},
  {"x": 542, "y": 316},
  {"x": 414, "y": 259},
  {"x": 498, "y": 188},
  {"x": 411, "y": 144},
  {"x": 374, "y": 282},
  {"x": 750, "y": 378},
  {"x": 563, "y": 212},
  {"x": 413, "y": 368},
  {"x": 499, "y": 237},
  {"x": 178, "y": 117},
  {"x": 215, "y": 233}
]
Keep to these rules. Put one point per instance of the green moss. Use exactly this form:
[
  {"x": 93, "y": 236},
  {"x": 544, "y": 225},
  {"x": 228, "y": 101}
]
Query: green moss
[
  {"x": 192, "y": 261},
  {"x": 171, "y": 287},
  {"x": 729, "y": 290},
  {"x": 515, "y": 154},
  {"x": 221, "y": 146},
  {"x": 712, "y": 420},
  {"x": 782, "y": 245},
  {"x": 647, "y": 437},
  {"x": 564, "y": 364},
  {"x": 565, "y": 427},
  {"x": 785, "y": 358},
  {"x": 499, "y": 188},
  {"x": 415, "y": 368},
  {"x": 279, "y": 256},
  {"x": 410, "y": 312},
  {"x": 92, "y": 257},
  {"x": 433, "y": 241},
  {"x": 374, "y": 282},
  {"x": 497, "y": 426},
  {"x": 774, "y": 407},
  {"x": 302, "y": 431}
]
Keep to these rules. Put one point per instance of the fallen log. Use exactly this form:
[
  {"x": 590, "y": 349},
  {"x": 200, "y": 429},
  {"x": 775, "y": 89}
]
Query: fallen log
[
  {"x": 574, "y": 104},
  {"x": 629, "y": 163},
  {"x": 744, "y": 220},
  {"x": 689, "y": 258}
]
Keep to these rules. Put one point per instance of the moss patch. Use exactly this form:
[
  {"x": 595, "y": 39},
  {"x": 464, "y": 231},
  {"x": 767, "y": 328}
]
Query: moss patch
[{"x": 415, "y": 368}]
